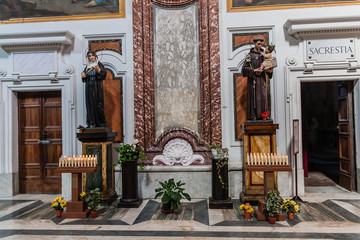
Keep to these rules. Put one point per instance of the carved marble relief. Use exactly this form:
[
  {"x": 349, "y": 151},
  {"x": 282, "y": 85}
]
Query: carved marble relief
[
  {"x": 178, "y": 151},
  {"x": 176, "y": 64}
]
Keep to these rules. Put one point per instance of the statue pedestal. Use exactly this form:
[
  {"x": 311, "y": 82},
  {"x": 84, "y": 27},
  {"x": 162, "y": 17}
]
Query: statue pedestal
[
  {"x": 99, "y": 142},
  {"x": 259, "y": 137}
]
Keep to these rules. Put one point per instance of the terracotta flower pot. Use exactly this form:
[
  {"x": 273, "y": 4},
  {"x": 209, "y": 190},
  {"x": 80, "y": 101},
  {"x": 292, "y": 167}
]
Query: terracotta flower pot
[
  {"x": 247, "y": 215},
  {"x": 58, "y": 213},
  {"x": 272, "y": 220},
  {"x": 94, "y": 214},
  {"x": 291, "y": 216},
  {"x": 264, "y": 118}
]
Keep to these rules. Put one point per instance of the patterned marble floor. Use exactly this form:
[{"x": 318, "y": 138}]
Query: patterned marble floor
[{"x": 336, "y": 216}]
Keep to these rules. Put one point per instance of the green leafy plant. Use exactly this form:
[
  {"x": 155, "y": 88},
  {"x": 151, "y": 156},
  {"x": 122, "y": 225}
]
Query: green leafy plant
[
  {"x": 131, "y": 152},
  {"x": 221, "y": 154},
  {"x": 93, "y": 198},
  {"x": 218, "y": 152},
  {"x": 272, "y": 202},
  {"x": 171, "y": 193}
]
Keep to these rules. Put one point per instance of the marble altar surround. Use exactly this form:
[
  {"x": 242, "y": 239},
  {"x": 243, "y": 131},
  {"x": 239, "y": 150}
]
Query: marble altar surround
[{"x": 176, "y": 74}]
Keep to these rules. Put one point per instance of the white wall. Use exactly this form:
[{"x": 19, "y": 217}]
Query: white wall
[
  {"x": 286, "y": 48},
  {"x": 73, "y": 55}
]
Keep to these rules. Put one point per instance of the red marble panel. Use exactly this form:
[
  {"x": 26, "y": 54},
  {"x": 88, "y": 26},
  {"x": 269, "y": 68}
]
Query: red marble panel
[{"x": 144, "y": 104}]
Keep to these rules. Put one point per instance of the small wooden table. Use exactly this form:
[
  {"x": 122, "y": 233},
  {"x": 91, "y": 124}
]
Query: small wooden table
[{"x": 76, "y": 208}]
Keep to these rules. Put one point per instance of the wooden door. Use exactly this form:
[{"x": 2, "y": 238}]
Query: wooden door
[
  {"x": 346, "y": 136},
  {"x": 40, "y": 141}
]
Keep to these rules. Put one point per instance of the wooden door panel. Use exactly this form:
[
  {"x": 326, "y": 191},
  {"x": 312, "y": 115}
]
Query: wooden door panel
[
  {"x": 346, "y": 136},
  {"x": 344, "y": 147},
  {"x": 343, "y": 111},
  {"x": 29, "y": 148},
  {"x": 345, "y": 167},
  {"x": 39, "y": 119},
  {"x": 52, "y": 133}
]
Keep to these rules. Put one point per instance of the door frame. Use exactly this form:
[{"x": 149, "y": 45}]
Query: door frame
[
  {"x": 294, "y": 77},
  {"x": 9, "y": 148}
]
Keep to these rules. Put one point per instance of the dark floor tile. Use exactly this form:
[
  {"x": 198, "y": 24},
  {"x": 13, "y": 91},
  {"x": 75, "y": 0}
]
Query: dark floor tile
[
  {"x": 342, "y": 211},
  {"x": 193, "y": 234},
  {"x": 201, "y": 212},
  {"x": 149, "y": 210},
  {"x": 21, "y": 211}
]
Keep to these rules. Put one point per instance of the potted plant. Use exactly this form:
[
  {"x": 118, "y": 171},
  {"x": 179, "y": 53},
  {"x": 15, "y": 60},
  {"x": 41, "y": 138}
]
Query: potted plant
[
  {"x": 93, "y": 200},
  {"x": 58, "y": 204},
  {"x": 265, "y": 115},
  {"x": 217, "y": 151},
  {"x": 220, "y": 154},
  {"x": 272, "y": 203},
  {"x": 128, "y": 160},
  {"x": 81, "y": 128},
  {"x": 290, "y": 207},
  {"x": 171, "y": 194},
  {"x": 130, "y": 152},
  {"x": 248, "y": 210}
]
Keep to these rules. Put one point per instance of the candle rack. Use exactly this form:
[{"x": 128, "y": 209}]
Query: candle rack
[{"x": 77, "y": 165}]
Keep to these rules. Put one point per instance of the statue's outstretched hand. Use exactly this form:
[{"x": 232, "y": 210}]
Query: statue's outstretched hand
[
  {"x": 83, "y": 75},
  {"x": 258, "y": 71}
]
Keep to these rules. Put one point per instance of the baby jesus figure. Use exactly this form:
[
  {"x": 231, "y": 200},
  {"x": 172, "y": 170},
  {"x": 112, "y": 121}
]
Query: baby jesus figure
[{"x": 267, "y": 63}]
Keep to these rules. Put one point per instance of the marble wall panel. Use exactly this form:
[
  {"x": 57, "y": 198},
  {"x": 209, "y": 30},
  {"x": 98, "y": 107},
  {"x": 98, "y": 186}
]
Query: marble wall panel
[
  {"x": 144, "y": 80},
  {"x": 176, "y": 63},
  {"x": 35, "y": 63}
]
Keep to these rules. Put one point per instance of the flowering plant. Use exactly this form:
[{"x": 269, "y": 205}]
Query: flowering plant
[
  {"x": 130, "y": 152},
  {"x": 80, "y": 127},
  {"x": 265, "y": 114},
  {"x": 290, "y": 206},
  {"x": 246, "y": 207},
  {"x": 82, "y": 195},
  {"x": 59, "y": 203}
]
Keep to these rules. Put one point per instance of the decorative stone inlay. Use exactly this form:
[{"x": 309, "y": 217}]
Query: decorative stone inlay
[
  {"x": 178, "y": 151},
  {"x": 176, "y": 67}
]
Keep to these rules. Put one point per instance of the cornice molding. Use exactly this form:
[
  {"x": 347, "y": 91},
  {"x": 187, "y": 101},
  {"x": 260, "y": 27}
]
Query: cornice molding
[
  {"x": 317, "y": 28},
  {"x": 36, "y": 41}
]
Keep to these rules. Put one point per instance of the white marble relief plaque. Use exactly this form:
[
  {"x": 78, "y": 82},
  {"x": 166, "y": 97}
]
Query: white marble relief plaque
[
  {"x": 176, "y": 58},
  {"x": 35, "y": 63},
  {"x": 328, "y": 50}
]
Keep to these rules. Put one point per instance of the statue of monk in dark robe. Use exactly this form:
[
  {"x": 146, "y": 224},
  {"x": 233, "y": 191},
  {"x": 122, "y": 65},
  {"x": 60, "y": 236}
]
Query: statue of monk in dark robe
[
  {"x": 256, "y": 81},
  {"x": 93, "y": 76}
]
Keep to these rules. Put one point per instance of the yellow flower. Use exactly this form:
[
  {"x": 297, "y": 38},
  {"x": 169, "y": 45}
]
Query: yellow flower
[
  {"x": 293, "y": 202},
  {"x": 296, "y": 207},
  {"x": 82, "y": 194},
  {"x": 242, "y": 206}
]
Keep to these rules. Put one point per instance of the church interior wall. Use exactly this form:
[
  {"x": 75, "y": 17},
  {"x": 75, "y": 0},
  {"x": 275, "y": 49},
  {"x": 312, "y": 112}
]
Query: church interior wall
[
  {"x": 286, "y": 48},
  {"x": 288, "y": 51}
]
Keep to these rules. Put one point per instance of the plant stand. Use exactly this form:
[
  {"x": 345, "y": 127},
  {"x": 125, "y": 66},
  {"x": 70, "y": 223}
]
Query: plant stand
[
  {"x": 76, "y": 208},
  {"x": 220, "y": 188},
  {"x": 129, "y": 174}
]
